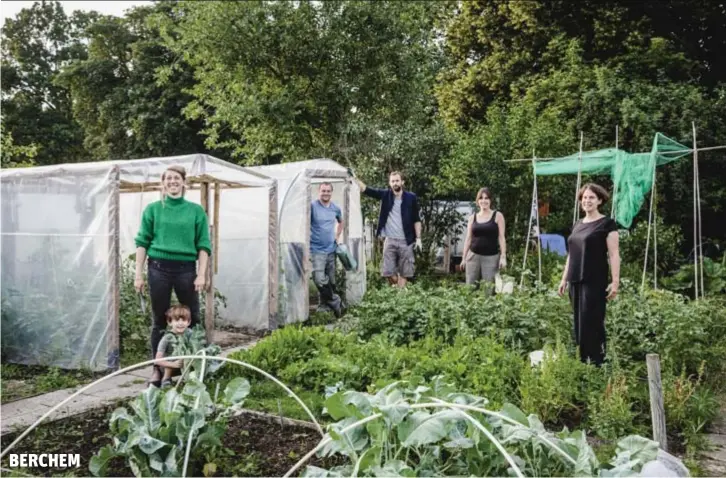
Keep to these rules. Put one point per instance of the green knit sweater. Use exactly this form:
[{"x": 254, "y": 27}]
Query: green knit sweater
[{"x": 174, "y": 230}]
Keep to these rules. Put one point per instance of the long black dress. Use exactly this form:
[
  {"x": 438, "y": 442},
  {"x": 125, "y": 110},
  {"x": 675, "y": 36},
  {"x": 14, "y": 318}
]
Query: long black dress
[{"x": 588, "y": 277}]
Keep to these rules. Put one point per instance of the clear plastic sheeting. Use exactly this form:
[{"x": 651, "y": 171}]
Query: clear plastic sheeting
[
  {"x": 65, "y": 226},
  {"x": 56, "y": 293},
  {"x": 68, "y": 230},
  {"x": 297, "y": 187}
]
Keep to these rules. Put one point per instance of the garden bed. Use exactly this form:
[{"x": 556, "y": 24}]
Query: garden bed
[{"x": 256, "y": 445}]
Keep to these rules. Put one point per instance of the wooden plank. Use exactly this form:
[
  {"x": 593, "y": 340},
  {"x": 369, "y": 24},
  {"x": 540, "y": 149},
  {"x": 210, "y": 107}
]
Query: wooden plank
[
  {"x": 346, "y": 212},
  {"x": 209, "y": 292},
  {"x": 447, "y": 255},
  {"x": 657, "y": 411},
  {"x": 209, "y": 296},
  {"x": 114, "y": 273},
  {"x": 215, "y": 248},
  {"x": 307, "y": 264},
  {"x": 204, "y": 198},
  {"x": 272, "y": 265}
]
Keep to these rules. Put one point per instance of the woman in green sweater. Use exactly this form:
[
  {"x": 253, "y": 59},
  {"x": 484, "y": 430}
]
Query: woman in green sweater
[{"x": 174, "y": 234}]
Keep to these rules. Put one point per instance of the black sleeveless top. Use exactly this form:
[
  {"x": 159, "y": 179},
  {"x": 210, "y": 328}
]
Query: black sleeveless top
[{"x": 485, "y": 236}]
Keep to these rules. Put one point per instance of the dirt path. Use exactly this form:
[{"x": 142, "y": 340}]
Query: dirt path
[{"x": 714, "y": 463}]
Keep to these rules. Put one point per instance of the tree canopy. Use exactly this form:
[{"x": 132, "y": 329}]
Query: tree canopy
[{"x": 445, "y": 91}]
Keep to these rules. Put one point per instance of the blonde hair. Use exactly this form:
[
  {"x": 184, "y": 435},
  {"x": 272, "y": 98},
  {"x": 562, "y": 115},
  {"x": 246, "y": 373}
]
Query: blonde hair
[
  {"x": 177, "y": 169},
  {"x": 178, "y": 311}
]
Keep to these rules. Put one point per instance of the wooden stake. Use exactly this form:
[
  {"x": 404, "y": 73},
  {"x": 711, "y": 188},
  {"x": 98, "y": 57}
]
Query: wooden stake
[
  {"x": 209, "y": 296},
  {"x": 209, "y": 293},
  {"x": 114, "y": 273},
  {"x": 447, "y": 255},
  {"x": 657, "y": 411},
  {"x": 307, "y": 264},
  {"x": 215, "y": 249}
]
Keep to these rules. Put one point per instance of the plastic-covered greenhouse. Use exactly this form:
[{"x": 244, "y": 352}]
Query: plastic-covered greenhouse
[
  {"x": 68, "y": 229},
  {"x": 297, "y": 188}
]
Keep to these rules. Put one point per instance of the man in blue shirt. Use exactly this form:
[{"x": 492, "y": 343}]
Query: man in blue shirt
[
  {"x": 326, "y": 226},
  {"x": 399, "y": 221}
]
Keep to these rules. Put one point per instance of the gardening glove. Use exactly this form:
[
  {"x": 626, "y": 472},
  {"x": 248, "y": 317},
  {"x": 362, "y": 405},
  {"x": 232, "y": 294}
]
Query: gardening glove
[{"x": 419, "y": 245}]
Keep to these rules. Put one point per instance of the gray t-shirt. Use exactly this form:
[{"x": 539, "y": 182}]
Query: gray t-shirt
[
  {"x": 166, "y": 345},
  {"x": 167, "y": 342},
  {"x": 394, "y": 223}
]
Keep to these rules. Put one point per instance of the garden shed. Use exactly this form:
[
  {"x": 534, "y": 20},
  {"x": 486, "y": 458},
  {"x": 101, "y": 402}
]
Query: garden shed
[
  {"x": 297, "y": 187},
  {"x": 67, "y": 229}
]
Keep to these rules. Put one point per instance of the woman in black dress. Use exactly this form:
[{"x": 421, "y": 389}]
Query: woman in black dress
[{"x": 593, "y": 240}]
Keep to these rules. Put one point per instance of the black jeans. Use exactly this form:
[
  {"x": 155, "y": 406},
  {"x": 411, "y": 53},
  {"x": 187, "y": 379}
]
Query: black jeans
[
  {"x": 589, "y": 301},
  {"x": 163, "y": 277}
]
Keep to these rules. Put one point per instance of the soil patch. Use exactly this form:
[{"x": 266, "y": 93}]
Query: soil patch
[{"x": 255, "y": 446}]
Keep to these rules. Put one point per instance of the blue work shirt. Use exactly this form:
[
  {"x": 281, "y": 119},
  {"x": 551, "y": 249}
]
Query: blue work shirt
[{"x": 323, "y": 222}]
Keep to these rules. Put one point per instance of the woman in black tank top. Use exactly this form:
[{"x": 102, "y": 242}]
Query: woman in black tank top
[{"x": 485, "y": 249}]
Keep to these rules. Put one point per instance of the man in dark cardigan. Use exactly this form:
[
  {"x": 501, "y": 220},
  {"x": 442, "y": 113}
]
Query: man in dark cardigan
[{"x": 399, "y": 222}]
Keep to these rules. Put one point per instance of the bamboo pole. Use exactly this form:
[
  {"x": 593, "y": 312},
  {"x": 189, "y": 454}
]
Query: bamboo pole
[
  {"x": 526, "y": 243},
  {"x": 575, "y": 214},
  {"x": 695, "y": 215},
  {"x": 655, "y": 233},
  {"x": 657, "y": 411},
  {"x": 650, "y": 222},
  {"x": 615, "y": 185},
  {"x": 680, "y": 151},
  {"x": 113, "y": 339},
  {"x": 539, "y": 231},
  {"x": 700, "y": 219},
  {"x": 215, "y": 249}
]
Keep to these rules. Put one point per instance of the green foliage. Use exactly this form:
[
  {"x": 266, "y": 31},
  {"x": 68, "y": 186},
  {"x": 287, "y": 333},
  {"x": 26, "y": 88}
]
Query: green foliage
[
  {"x": 15, "y": 156},
  {"x": 36, "y": 44},
  {"x": 557, "y": 389},
  {"x": 611, "y": 414},
  {"x": 480, "y": 345},
  {"x": 124, "y": 111},
  {"x": 661, "y": 322},
  {"x": 153, "y": 436},
  {"x": 714, "y": 278},
  {"x": 524, "y": 320},
  {"x": 670, "y": 239},
  {"x": 410, "y": 441},
  {"x": 307, "y": 70}
]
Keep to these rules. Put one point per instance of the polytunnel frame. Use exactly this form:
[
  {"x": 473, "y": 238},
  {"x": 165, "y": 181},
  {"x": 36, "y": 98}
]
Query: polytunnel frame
[
  {"x": 201, "y": 181},
  {"x": 308, "y": 175}
]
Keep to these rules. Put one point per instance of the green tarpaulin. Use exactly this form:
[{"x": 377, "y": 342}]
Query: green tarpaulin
[{"x": 632, "y": 174}]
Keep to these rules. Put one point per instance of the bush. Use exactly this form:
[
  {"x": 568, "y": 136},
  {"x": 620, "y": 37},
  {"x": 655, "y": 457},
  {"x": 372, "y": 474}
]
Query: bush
[
  {"x": 558, "y": 388},
  {"x": 611, "y": 414},
  {"x": 670, "y": 238},
  {"x": 524, "y": 320}
]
